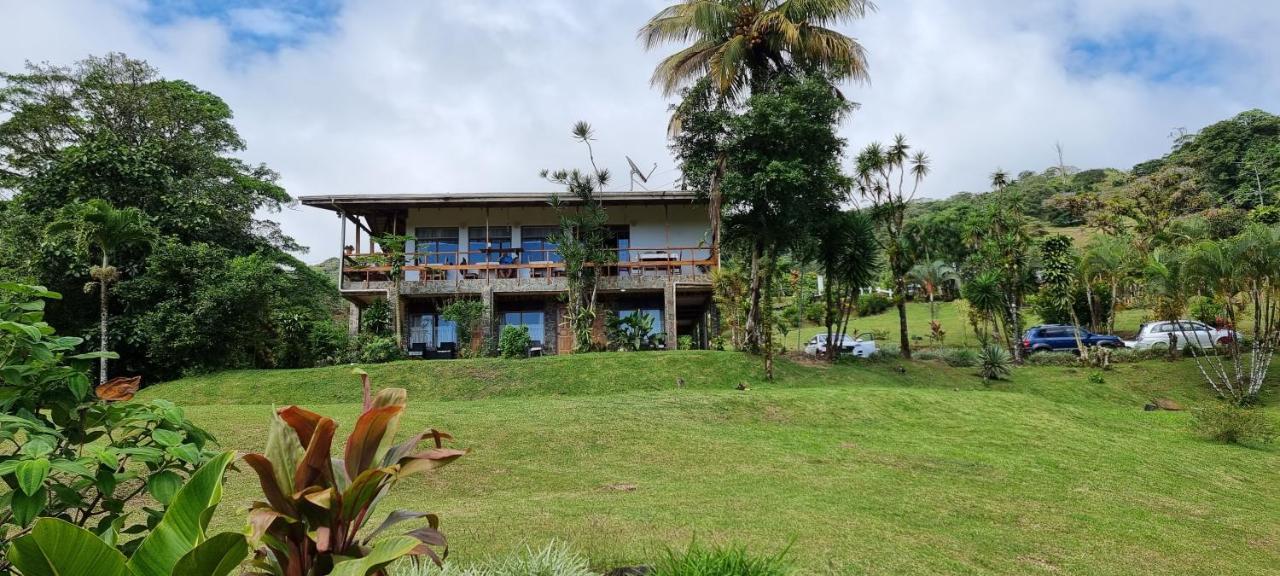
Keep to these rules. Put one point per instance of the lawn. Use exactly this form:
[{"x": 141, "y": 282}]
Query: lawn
[
  {"x": 878, "y": 468},
  {"x": 953, "y": 319}
]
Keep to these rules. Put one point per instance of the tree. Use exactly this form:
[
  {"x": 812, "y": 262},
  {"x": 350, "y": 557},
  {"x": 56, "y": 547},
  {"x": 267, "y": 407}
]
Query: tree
[
  {"x": 393, "y": 256},
  {"x": 881, "y": 179},
  {"x": 582, "y": 239},
  {"x": 932, "y": 275},
  {"x": 1058, "y": 275},
  {"x": 1004, "y": 262},
  {"x": 1237, "y": 160},
  {"x": 1109, "y": 259},
  {"x": 736, "y": 45},
  {"x": 1152, "y": 204},
  {"x": 845, "y": 249},
  {"x": 99, "y": 226},
  {"x": 742, "y": 44}
]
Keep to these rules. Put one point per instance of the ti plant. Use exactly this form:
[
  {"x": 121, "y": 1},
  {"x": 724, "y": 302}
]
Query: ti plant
[
  {"x": 176, "y": 546},
  {"x": 317, "y": 505}
]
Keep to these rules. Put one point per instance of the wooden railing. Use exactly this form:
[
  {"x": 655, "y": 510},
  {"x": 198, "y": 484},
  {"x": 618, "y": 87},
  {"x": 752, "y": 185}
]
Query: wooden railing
[{"x": 510, "y": 263}]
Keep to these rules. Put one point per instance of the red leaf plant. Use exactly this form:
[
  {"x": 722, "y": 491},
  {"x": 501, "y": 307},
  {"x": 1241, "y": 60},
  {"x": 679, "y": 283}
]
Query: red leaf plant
[{"x": 316, "y": 505}]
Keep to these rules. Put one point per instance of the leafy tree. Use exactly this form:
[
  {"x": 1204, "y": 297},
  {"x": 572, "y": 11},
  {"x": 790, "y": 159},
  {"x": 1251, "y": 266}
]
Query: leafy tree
[
  {"x": 1237, "y": 160},
  {"x": 741, "y": 44},
  {"x": 102, "y": 227},
  {"x": 882, "y": 179},
  {"x": 1058, "y": 277},
  {"x": 393, "y": 256},
  {"x": 845, "y": 250},
  {"x": 1152, "y": 204},
  {"x": 469, "y": 316},
  {"x": 1113, "y": 260},
  {"x": 582, "y": 240},
  {"x": 1003, "y": 263},
  {"x": 933, "y": 276}
]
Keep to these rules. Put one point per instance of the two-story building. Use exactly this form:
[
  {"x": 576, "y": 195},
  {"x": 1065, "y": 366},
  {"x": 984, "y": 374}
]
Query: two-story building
[{"x": 500, "y": 248}]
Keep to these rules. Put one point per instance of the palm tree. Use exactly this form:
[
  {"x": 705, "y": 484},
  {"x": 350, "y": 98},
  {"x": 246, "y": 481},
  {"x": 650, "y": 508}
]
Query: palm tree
[
  {"x": 740, "y": 44},
  {"x": 932, "y": 275},
  {"x": 1109, "y": 259},
  {"x": 100, "y": 226}
]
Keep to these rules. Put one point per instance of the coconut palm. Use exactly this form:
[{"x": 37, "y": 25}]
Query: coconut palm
[
  {"x": 932, "y": 275},
  {"x": 740, "y": 44},
  {"x": 100, "y": 226}
]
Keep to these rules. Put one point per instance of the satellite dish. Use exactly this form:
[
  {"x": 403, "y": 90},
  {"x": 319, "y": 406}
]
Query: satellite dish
[{"x": 636, "y": 173}]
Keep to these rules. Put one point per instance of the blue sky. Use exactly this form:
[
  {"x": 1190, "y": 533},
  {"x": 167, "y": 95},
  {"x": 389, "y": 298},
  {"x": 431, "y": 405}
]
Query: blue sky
[{"x": 346, "y": 96}]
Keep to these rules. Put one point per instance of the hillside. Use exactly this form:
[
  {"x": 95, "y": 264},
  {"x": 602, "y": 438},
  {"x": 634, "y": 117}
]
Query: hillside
[{"x": 862, "y": 468}]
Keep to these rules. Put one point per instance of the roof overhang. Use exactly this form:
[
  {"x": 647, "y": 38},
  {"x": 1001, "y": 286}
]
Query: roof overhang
[{"x": 379, "y": 202}]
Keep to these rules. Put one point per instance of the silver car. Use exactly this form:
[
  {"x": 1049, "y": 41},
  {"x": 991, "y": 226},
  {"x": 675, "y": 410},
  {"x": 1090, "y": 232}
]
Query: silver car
[
  {"x": 862, "y": 346},
  {"x": 1155, "y": 335}
]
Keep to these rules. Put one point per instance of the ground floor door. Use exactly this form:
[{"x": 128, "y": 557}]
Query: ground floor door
[{"x": 564, "y": 331}]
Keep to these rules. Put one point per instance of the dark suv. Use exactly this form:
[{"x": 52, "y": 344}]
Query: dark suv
[{"x": 1051, "y": 337}]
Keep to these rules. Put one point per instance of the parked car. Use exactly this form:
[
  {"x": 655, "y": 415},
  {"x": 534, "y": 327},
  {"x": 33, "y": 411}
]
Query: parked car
[
  {"x": 1156, "y": 335},
  {"x": 1062, "y": 337},
  {"x": 862, "y": 346}
]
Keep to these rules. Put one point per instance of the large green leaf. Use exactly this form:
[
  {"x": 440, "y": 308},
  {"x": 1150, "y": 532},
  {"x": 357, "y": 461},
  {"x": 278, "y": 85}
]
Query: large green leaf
[
  {"x": 184, "y": 521},
  {"x": 217, "y": 556},
  {"x": 383, "y": 553},
  {"x": 27, "y": 507},
  {"x": 58, "y": 548},
  {"x": 31, "y": 474}
]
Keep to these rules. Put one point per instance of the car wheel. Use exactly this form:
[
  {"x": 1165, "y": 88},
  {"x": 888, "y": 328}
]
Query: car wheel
[
  {"x": 1160, "y": 346},
  {"x": 1225, "y": 341}
]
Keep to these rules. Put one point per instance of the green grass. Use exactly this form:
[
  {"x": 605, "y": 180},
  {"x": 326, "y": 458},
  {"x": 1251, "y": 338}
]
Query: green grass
[{"x": 861, "y": 468}]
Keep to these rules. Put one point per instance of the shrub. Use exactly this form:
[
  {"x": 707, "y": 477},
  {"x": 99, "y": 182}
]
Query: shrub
[
  {"x": 1125, "y": 355},
  {"x": 468, "y": 316},
  {"x": 630, "y": 332},
  {"x": 735, "y": 561},
  {"x": 514, "y": 342},
  {"x": 1226, "y": 422},
  {"x": 685, "y": 342},
  {"x": 1205, "y": 309},
  {"x": 1096, "y": 377},
  {"x": 993, "y": 362},
  {"x": 379, "y": 349},
  {"x": 315, "y": 506},
  {"x": 961, "y": 358},
  {"x": 872, "y": 304},
  {"x": 554, "y": 559},
  {"x": 1052, "y": 359},
  {"x": 376, "y": 318}
]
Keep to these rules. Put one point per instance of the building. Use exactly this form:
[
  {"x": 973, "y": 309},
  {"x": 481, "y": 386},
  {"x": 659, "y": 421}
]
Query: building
[{"x": 499, "y": 248}]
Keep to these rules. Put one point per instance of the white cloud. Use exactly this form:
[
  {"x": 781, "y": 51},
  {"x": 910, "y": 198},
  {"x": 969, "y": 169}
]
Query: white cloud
[{"x": 402, "y": 96}]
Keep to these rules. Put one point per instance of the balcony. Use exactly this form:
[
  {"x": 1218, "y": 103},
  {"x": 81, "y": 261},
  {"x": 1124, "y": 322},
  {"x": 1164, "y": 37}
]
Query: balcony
[{"x": 517, "y": 270}]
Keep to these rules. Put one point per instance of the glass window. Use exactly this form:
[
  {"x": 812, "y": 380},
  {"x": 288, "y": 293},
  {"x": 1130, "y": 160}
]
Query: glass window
[
  {"x": 530, "y": 319},
  {"x": 536, "y": 244},
  {"x": 432, "y": 330},
  {"x": 495, "y": 249},
  {"x": 436, "y": 245}
]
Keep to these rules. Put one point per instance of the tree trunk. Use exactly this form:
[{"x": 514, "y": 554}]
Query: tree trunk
[
  {"x": 900, "y": 300},
  {"x": 1093, "y": 307},
  {"x": 767, "y": 314},
  {"x": 753, "y": 293},
  {"x": 1111, "y": 317},
  {"x": 102, "y": 322},
  {"x": 830, "y": 317}
]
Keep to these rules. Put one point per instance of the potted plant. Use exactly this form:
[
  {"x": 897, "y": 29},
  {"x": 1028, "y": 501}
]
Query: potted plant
[{"x": 348, "y": 249}]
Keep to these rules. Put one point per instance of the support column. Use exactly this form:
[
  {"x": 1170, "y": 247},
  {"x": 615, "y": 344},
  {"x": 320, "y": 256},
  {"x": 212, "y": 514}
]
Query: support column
[
  {"x": 353, "y": 319},
  {"x": 487, "y": 328},
  {"x": 669, "y": 313}
]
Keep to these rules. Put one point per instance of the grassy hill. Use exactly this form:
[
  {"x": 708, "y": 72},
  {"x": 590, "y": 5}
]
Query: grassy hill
[{"x": 864, "y": 469}]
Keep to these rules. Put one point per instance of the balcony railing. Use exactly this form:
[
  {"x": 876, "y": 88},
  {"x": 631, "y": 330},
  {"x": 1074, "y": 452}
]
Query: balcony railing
[{"x": 512, "y": 263}]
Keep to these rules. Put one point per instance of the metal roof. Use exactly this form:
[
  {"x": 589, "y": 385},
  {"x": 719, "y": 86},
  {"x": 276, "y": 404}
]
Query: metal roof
[{"x": 385, "y": 201}]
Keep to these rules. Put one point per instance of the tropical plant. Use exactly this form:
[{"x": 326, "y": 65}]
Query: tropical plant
[
  {"x": 75, "y": 456},
  {"x": 1109, "y": 259},
  {"x": 175, "y": 546},
  {"x": 741, "y": 44},
  {"x": 1244, "y": 273},
  {"x": 932, "y": 276},
  {"x": 993, "y": 362},
  {"x": 1164, "y": 284},
  {"x": 514, "y": 342},
  {"x": 581, "y": 241},
  {"x": 845, "y": 250},
  {"x": 882, "y": 179},
  {"x": 1058, "y": 276},
  {"x": 729, "y": 292},
  {"x": 699, "y": 560},
  {"x": 469, "y": 316},
  {"x": 376, "y": 318},
  {"x": 393, "y": 256},
  {"x": 316, "y": 508},
  {"x": 631, "y": 332},
  {"x": 1002, "y": 265},
  {"x": 97, "y": 225}
]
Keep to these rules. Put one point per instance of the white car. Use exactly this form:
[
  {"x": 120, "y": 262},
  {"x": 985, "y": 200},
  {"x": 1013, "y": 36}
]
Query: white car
[
  {"x": 861, "y": 347},
  {"x": 1156, "y": 335}
]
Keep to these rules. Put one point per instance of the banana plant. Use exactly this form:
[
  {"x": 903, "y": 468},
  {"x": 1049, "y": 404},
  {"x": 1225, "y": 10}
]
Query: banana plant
[
  {"x": 317, "y": 505},
  {"x": 177, "y": 545}
]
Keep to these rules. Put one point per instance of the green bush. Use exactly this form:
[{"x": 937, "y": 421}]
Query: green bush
[
  {"x": 961, "y": 358},
  {"x": 1096, "y": 377},
  {"x": 469, "y": 317},
  {"x": 514, "y": 342},
  {"x": 1226, "y": 422},
  {"x": 872, "y": 304},
  {"x": 1052, "y": 359},
  {"x": 379, "y": 349},
  {"x": 554, "y": 559},
  {"x": 731, "y": 561},
  {"x": 1205, "y": 309},
  {"x": 376, "y": 318},
  {"x": 685, "y": 342}
]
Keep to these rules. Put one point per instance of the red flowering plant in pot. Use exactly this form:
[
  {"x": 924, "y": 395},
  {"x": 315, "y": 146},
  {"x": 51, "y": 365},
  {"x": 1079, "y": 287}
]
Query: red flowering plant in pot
[{"x": 317, "y": 505}]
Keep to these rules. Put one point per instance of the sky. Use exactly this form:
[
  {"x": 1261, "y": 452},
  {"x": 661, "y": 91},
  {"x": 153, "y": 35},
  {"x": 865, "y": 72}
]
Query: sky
[{"x": 441, "y": 96}]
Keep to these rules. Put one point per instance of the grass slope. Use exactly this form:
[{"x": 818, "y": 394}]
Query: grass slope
[{"x": 868, "y": 470}]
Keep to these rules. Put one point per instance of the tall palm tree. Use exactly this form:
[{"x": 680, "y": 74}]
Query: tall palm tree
[
  {"x": 102, "y": 227},
  {"x": 740, "y": 44},
  {"x": 1110, "y": 259}
]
